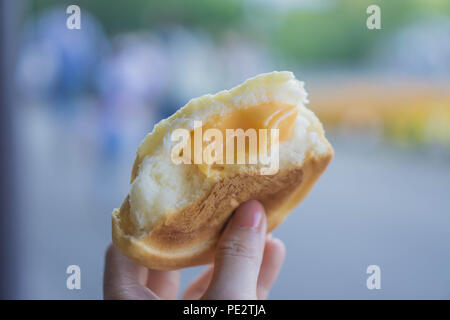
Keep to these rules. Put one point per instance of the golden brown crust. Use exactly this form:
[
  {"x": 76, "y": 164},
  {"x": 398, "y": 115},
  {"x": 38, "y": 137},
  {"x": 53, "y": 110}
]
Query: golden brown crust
[{"x": 188, "y": 237}]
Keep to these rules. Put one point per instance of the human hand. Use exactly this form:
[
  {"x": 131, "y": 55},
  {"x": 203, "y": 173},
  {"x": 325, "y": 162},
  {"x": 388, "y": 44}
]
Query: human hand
[{"x": 246, "y": 265}]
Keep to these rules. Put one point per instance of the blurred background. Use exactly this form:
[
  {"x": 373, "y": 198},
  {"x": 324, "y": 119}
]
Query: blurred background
[{"x": 76, "y": 104}]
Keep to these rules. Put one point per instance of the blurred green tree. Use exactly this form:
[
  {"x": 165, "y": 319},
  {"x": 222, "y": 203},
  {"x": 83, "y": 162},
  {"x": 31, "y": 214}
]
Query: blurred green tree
[{"x": 334, "y": 32}]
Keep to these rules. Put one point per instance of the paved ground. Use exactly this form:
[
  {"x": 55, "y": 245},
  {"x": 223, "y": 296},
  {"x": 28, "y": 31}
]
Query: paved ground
[{"x": 374, "y": 205}]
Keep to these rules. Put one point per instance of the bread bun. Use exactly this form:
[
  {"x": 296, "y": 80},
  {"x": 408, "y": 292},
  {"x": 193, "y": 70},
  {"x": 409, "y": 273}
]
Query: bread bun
[{"x": 175, "y": 213}]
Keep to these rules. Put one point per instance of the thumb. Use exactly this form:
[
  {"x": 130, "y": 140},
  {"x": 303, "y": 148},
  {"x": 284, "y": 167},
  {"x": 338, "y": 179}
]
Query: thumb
[{"x": 239, "y": 254}]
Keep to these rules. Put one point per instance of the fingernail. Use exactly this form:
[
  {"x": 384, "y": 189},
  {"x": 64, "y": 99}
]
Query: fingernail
[{"x": 248, "y": 218}]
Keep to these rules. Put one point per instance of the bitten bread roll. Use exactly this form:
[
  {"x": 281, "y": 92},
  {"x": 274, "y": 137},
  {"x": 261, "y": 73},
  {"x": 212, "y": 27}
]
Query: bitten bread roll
[{"x": 178, "y": 204}]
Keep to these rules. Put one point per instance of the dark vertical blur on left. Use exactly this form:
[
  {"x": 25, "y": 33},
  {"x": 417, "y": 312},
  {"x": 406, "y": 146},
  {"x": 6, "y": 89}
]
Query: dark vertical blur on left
[{"x": 10, "y": 12}]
